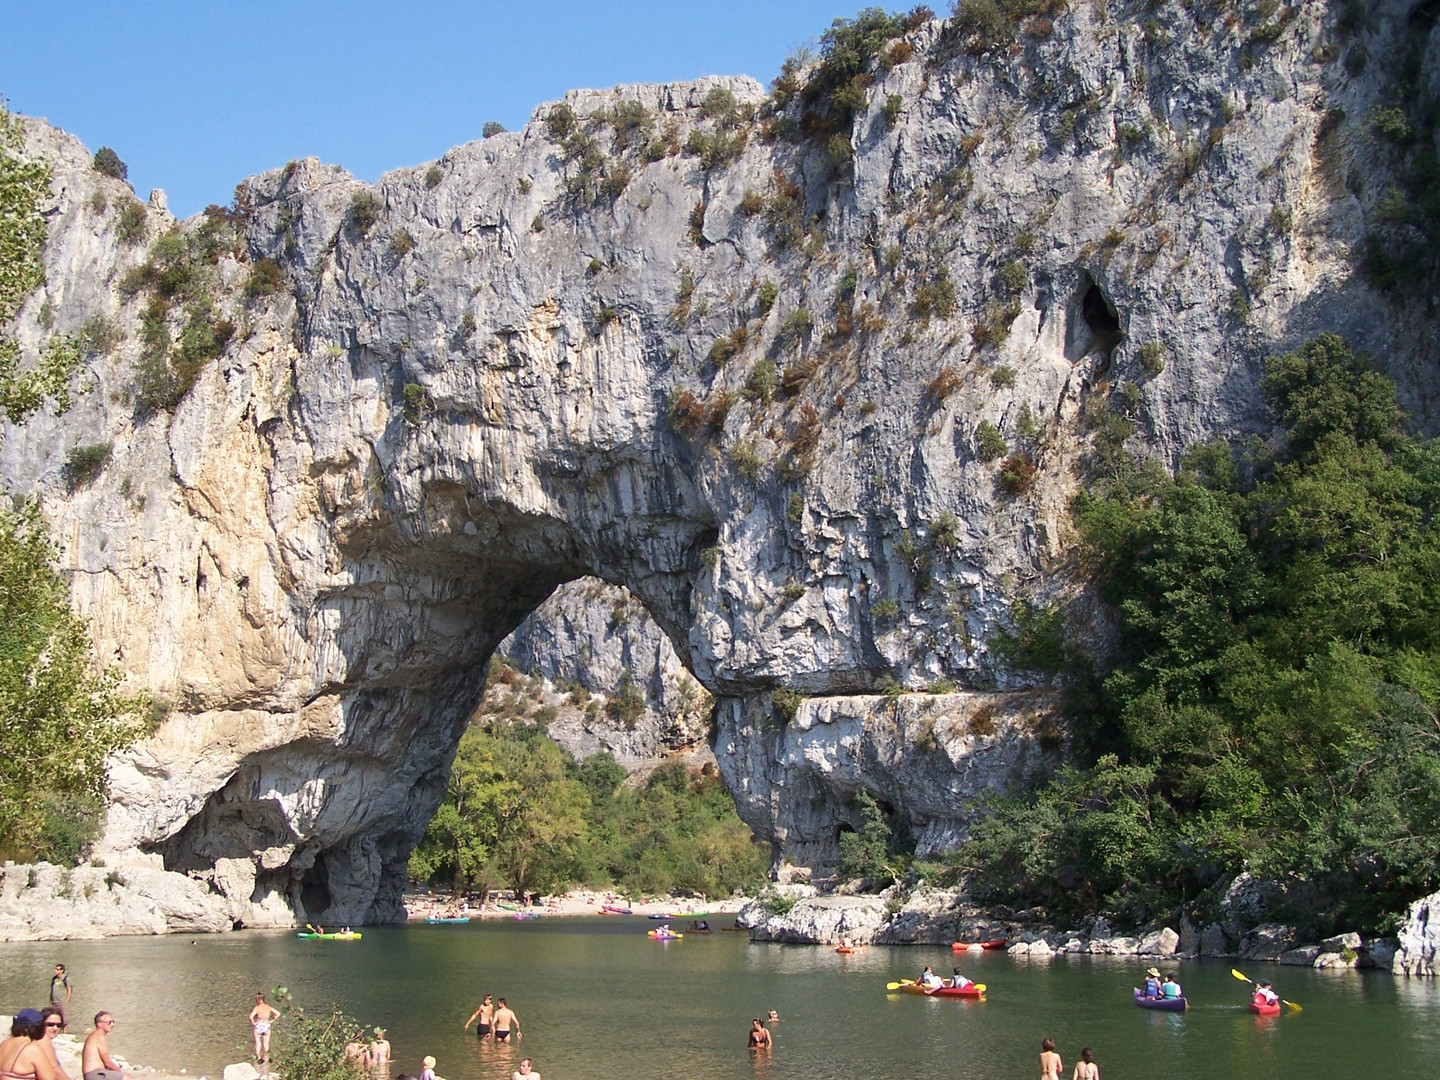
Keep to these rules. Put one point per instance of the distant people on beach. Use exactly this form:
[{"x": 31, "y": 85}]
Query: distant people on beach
[
  {"x": 484, "y": 1014},
  {"x": 95, "y": 1060},
  {"x": 261, "y": 1017},
  {"x": 61, "y": 991},
  {"x": 25, "y": 1054},
  {"x": 524, "y": 1071},
  {"x": 506, "y": 1023}
]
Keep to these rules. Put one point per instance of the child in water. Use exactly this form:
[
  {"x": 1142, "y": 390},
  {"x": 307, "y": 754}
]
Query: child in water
[{"x": 428, "y": 1072}]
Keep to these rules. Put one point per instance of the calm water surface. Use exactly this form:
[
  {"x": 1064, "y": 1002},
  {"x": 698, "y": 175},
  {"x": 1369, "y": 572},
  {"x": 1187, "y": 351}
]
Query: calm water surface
[{"x": 598, "y": 1000}]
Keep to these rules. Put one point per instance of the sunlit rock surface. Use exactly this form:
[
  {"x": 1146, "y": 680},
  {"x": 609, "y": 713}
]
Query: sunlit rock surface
[{"x": 441, "y": 418}]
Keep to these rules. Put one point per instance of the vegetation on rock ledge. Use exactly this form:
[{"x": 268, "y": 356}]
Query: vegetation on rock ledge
[{"x": 1273, "y": 707}]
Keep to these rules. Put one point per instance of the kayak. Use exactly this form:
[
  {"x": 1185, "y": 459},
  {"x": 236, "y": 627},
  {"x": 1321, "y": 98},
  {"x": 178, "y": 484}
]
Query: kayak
[
  {"x": 1257, "y": 1005},
  {"x": 908, "y": 986},
  {"x": 437, "y": 919},
  {"x": 735, "y": 929},
  {"x": 610, "y": 909},
  {"x": 660, "y": 935},
  {"x": 996, "y": 943},
  {"x": 843, "y": 949},
  {"x": 352, "y": 936},
  {"x": 1162, "y": 1004},
  {"x": 526, "y": 915}
]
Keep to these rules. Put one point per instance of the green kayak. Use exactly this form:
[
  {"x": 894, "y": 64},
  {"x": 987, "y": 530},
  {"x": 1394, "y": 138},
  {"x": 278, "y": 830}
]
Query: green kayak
[{"x": 352, "y": 936}]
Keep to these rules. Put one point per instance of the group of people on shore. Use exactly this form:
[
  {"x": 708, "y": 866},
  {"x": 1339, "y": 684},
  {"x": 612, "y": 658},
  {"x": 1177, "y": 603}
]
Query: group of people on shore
[{"x": 29, "y": 1053}]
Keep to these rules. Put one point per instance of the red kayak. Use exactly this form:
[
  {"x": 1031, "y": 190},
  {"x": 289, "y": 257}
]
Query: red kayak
[
  {"x": 1259, "y": 1005},
  {"x": 974, "y": 990},
  {"x": 996, "y": 943}
]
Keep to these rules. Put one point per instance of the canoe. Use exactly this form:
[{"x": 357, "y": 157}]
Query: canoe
[
  {"x": 1160, "y": 1004},
  {"x": 1259, "y": 1007},
  {"x": 437, "y": 919},
  {"x": 611, "y": 909},
  {"x": 352, "y": 936},
  {"x": 908, "y": 986},
  {"x": 995, "y": 943}
]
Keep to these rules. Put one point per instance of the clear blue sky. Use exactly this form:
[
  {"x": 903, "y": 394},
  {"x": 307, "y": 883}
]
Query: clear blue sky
[{"x": 195, "y": 96}]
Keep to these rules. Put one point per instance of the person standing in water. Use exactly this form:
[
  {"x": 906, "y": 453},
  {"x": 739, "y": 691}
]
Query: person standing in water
[
  {"x": 506, "y": 1022},
  {"x": 61, "y": 991},
  {"x": 525, "y": 1071},
  {"x": 380, "y": 1052},
  {"x": 484, "y": 1013},
  {"x": 261, "y": 1017},
  {"x": 1086, "y": 1069},
  {"x": 759, "y": 1037},
  {"x": 1050, "y": 1064}
]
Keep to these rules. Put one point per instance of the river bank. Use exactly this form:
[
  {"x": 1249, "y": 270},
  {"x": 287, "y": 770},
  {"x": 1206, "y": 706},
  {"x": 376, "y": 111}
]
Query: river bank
[{"x": 426, "y": 904}]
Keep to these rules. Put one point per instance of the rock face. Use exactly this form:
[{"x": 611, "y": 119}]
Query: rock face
[
  {"x": 44, "y": 902},
  {"x": 1419, "y": 939},
  {"x": 761, "y": 384}
]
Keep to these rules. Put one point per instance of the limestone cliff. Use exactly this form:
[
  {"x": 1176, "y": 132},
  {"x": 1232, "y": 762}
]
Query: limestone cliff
[{"x": 818, "y": 403}]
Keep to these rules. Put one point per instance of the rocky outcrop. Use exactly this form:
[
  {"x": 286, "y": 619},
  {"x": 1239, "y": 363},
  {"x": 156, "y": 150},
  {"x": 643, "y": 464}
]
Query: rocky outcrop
[
  {"x": 45, "y": 903},
  {"x": 759, "y": 383},
  {"x": 1419, "y": 939},
  {"x": 609, "y": 679}
]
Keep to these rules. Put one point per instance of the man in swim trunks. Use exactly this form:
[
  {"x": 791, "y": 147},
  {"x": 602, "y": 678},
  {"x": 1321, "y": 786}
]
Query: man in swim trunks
[
  {"x": 61, "y": 992},
  {"x": 261, "y": 1017},
  {"x": 95, "y": 1060},
  {"x": 505, "y": 1023},
  {"x": 485, "y": 1012},
  {"x": 524, "y": 1072}
]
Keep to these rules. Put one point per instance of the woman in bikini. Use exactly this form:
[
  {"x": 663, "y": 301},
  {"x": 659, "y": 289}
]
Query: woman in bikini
[
  {"x": 1050, "y": 1064},
  {"x": 25, "y": 1055},
  {"x": 1087, "y": 1069}
]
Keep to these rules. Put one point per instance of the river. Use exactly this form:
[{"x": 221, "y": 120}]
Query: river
[{"x": 598, "y": 1000}]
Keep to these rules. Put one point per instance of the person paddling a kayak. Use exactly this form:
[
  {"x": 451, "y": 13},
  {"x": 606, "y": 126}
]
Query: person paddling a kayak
[
  {"x": 1170, "y": 988},
  {"x": 929, "y": 979},
  {"x": 1265, "y": 995},
  {"x": 1152, "y": 983},
  {"x": 959, "y": 982}
]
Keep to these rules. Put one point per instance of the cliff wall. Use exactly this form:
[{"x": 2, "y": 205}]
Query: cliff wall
[{"x": 818, "y": 400}]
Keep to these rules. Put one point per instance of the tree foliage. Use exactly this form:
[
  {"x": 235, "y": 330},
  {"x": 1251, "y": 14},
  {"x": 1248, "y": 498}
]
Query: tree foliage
[
  {"x": 520, "y": 813},
  {"x": 1273, "y": 707},
  {"x": 311, "y": 1046},
  {"x": 59, "y": 716}
]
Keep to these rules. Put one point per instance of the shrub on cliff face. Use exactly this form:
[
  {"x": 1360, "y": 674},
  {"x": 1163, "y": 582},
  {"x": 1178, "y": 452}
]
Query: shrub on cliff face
[
  {"x": 108, "y": 163},
  {"x": 312, "y": 1046}
]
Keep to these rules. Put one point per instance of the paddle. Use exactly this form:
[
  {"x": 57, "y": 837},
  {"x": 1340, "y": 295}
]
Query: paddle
[{"x": 1246, "y": 979}]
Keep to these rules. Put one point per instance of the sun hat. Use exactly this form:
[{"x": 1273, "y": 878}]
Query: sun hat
[{"x": 1152, "y": 972}]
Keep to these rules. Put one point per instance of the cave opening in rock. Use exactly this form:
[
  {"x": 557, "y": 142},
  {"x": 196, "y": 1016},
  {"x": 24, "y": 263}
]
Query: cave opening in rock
[
  {"x": 1092, "y": 323},
  {"x": 315, "y": 893}
]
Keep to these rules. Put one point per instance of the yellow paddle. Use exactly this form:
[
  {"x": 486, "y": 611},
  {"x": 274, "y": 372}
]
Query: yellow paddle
[{"x": 1246, "y": 979}]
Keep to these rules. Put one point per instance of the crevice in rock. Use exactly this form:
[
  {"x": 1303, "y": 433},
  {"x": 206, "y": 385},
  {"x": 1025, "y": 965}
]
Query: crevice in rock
[
  {"x": 315, "y": 891},
  {"x": 1092, "y": 325},
  {"x": 1423, "y": 16}
]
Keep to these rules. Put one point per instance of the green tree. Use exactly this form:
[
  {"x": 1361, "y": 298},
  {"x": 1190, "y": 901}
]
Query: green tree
[
  {"x": 60, "y": 715},
  {"x": 865, "y": 854}
]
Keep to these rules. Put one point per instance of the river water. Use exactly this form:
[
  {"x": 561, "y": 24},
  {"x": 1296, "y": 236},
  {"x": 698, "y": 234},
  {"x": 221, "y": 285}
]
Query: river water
[{"x": 598, "y": 1000}]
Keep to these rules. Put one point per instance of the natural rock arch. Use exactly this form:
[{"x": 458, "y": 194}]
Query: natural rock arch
[{"x": 452, "y": 409}]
